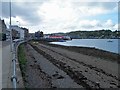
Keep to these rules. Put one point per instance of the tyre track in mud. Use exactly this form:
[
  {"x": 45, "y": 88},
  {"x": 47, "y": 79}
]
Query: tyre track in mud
[
  {"x": 38, "y": 78},
  {"x": 82, "y": 63},
  {"x": 76, "y": 76}
]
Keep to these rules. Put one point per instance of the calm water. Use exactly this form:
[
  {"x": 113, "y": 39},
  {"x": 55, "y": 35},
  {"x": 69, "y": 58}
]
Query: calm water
[{"x": 97, "y": 43}]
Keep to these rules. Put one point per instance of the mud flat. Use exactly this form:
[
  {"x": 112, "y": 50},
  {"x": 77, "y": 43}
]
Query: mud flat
[
  {"x": 41, "y": 73},
  {"x": 55, "y": 66},
  {"x": 88, "y": 51}
]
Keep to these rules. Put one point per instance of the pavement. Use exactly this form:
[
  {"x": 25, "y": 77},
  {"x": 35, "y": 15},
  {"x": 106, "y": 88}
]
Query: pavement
[
  {"x": 7, "y": 65},
  {"x": 0, "y": 65}
]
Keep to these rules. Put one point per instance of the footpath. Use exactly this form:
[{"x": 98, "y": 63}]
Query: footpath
[{"x": 7, "y": 67}]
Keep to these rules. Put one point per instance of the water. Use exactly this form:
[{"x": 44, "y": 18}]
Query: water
[{"x": 103, "y": 44}]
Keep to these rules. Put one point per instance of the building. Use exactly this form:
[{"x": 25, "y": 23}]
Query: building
[
  {"x": 3, "y": 30},
  {"x": 15, "y": 34},
  {"x": 26, "y": 33},
  {"x": 7, "y": 34},
  {"x": 31, "y": 35},
  {"x": 18, "y": 31},
  {"x": 39, "y": 35},
  {"x": 3, "y": 26}
]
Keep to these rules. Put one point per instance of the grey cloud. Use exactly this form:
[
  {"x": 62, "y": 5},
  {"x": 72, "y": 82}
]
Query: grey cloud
[
  {"x": 5, "y": 9},
  {"x": 0, "y": 9},
  {"x": 26, "y": 10}
]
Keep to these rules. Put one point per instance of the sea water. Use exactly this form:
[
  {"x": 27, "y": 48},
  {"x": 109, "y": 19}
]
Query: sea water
[{"x": 111, "y": 45}]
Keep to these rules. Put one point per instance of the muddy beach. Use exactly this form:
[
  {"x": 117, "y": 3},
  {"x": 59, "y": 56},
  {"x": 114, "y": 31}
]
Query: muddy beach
[{"x": 55, "y": 66}]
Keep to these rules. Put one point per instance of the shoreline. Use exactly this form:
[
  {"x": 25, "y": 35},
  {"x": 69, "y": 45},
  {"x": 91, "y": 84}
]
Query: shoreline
[
  {"x": 88, "y": 51},
  {"x": 80, "y": 66},
  {"x": 53, "y": 66}
]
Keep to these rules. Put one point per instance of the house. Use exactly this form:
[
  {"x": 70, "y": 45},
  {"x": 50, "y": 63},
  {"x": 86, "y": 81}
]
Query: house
[
  {"x": 7, "y": 34},
  {"x": 3, "y": 30},
  {"x": 39, "y": 35},
  {"x": 15, "y": 34},
  {"x": 18, "y": 31},
  {"x": 3, "y": 26},
  {"x": 26, "y": 33}
]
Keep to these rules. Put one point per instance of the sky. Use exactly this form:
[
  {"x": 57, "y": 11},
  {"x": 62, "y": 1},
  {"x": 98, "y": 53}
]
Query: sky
[{"x": 52, "y": 16}]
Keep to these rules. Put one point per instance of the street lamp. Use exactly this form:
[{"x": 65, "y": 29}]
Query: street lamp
[{"x": 10, "y": 26}]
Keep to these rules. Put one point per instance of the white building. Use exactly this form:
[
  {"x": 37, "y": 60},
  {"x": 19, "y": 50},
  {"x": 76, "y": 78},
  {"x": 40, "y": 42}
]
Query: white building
[
  {"x": 7, "y": 34},
  {"x": 21, "y": 31}
]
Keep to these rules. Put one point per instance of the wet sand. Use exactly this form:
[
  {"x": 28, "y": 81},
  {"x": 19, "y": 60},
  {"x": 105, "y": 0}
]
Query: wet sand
[
  {"x": 88, "y": 51},
  {"x": 70, "y": 67}
]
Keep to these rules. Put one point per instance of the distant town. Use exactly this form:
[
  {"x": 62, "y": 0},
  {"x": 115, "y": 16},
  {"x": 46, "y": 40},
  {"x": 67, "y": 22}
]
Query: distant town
[
  {"x": 22, "y": 33},
  {"x": 17, "y": 32}
]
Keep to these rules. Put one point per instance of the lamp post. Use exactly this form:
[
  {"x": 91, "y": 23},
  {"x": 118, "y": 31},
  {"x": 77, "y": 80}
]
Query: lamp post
[{"x": 10, "y": 26}]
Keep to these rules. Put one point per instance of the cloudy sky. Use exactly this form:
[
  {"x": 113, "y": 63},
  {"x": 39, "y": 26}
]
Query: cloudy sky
[{"x": 51, "y": 16}]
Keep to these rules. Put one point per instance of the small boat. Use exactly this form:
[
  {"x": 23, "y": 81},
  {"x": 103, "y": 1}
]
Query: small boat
[
  {"x": 109, "y": 41},
  {"x": 62, "y": 40}
]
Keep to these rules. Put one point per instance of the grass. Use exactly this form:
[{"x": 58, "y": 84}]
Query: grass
[
  {"x": 22, "y": 59},
  {"x": 21, "y": 55}
]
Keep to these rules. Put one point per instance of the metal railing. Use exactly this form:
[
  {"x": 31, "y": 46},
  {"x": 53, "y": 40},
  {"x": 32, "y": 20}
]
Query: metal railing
[
  {"x": 14, "y": 77},
  {"x": 14, "y": 50}
]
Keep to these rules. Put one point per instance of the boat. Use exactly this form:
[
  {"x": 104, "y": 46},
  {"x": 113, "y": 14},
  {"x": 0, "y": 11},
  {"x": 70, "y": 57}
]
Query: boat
[
  {"x": 62, "y": 40},
  {"x": 109, "y": 41}
]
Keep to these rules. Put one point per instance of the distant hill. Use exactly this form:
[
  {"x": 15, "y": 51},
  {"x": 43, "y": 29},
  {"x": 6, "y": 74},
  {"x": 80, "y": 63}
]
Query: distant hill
[{"x": 94, "y": 34}]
